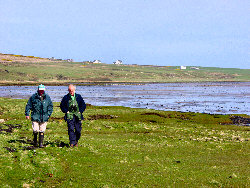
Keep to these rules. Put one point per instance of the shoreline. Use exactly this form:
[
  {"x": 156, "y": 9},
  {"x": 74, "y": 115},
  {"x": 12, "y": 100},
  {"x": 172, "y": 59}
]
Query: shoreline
[
  {"x": 105, "y": 83},
  {"x": 177, "y": 111},
  {"x": 237, "y": 119}
]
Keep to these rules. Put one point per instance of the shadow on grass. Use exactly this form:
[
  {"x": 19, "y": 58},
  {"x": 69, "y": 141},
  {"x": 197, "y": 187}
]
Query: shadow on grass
[
  {"x": 56, "y": 143},
  {"x": 10, "y": 128},
  {"x": 31, "y": 145},
  {"x": 28, "y": 144}
]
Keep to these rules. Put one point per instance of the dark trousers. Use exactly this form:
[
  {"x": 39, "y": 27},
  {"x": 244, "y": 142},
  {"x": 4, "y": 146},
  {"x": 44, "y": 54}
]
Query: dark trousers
[{"x": 74, "y": 130}]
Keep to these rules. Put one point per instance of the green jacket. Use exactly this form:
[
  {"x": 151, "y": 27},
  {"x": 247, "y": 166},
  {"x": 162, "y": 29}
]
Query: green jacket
[{"x": 40, "y": 110}]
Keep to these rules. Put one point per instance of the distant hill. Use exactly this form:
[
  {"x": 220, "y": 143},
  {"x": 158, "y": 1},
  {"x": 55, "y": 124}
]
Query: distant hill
[
  {"x": 29, "y": 70},
  {"x": 21, "y": 58}
]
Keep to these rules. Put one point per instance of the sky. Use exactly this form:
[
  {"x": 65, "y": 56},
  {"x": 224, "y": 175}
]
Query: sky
[{"x": 209, "y": 33}]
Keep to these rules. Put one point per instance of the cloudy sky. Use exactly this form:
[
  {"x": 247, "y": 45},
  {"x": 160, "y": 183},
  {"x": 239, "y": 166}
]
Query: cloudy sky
[{"x": 159, "y": 32}]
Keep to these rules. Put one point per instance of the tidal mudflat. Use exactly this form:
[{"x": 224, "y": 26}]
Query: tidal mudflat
[{"x": 202, "y": 97}]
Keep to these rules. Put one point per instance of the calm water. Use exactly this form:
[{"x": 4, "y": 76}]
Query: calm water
[{"x": 214, "y": 98}]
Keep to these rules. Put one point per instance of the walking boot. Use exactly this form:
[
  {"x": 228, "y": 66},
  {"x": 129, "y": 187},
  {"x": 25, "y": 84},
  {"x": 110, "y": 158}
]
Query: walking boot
[
  {"x": 41, "y": 137},
  {"x": 35, "y": 139},
  {"x": 76, "y": 144}
]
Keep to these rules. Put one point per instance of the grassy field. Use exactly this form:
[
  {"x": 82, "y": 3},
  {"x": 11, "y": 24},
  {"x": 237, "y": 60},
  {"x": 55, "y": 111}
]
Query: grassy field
[
  {"x": 125, "y": 147},
  {"x": 52, "y": 73}
]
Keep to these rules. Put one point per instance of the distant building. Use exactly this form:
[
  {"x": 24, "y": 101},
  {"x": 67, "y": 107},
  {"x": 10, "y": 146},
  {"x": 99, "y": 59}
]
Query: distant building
[
  {"x": 97, "y": 61},
  {"x": 196, "y": 68},
  {"x": 183, "y": 67},
  {"x": 69, "y": 60},
  {"x": 118, "y": 62}
]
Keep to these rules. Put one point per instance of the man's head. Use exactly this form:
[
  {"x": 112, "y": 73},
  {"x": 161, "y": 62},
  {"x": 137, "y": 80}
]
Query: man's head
[
  {"x": 41, "y": 89},
  {"x": 72, "y": 89}
]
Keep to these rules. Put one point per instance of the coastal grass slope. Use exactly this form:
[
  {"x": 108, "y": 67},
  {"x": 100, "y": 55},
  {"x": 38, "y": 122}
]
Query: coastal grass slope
[
  {"x": 62, "y": 72},
  {"x": 124, "y": 147}
]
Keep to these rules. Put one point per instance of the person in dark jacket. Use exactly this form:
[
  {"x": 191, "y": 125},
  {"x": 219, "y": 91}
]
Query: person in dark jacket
[
  {"x": 41, "y": 108},
  {"x": 73, "y": 106}
]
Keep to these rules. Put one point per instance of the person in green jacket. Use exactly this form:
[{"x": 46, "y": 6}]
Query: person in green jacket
[
  {"x": 41, "y": 108},
  {"x": 73, "y": 106}
]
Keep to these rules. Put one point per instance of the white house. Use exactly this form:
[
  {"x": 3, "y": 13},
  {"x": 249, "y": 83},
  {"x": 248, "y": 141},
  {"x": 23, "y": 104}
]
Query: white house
[
  {"x": 183, "y": 67},
  {"x": 118, "y": 62},
  {"x": 97, "y": 61},
  {"x": 196, "y": 68}
]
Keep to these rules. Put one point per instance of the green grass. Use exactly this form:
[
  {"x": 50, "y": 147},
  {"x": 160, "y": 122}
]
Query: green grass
[
  {"x": 64, "y": 72},
  {"x": 125, "y": 147}
]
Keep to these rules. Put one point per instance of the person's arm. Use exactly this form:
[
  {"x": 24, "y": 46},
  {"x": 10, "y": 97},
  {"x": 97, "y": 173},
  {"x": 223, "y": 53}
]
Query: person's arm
[
  {"x": 28, "y": 108},
  {"x": 81, "y": 104},
  {"x": 50, "y": 107},
  {"x": 63, "y": 104}
]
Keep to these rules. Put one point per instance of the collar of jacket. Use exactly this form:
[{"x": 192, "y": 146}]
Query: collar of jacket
[
  {"x": 44, "y": 95},
  {"x": 75, "y": 95}
]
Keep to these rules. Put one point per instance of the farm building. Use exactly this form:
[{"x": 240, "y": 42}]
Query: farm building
[
  {"x": 69, "y": 60},
  {"x": 196, "y": 68},
  {"x": 183, "y": 67},
  {"x": 118, "y": 62},
  {"x": 97, "y": 61}
]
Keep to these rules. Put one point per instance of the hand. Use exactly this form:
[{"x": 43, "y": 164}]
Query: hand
[{"x": 27, "y": 117}]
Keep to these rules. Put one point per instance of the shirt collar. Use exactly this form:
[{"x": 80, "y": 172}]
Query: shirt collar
[{"x": 73, "y": 97}]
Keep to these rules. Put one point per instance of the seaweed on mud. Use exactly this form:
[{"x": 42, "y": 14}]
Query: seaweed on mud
[
  {"x": 141, "y": 132},
  {"x": 57, "y": 143},
  {"x": 156, "y": 114},
  {"x": 10, "y": 128},
  {"x": 100, "y": 116},
  {"x": 238, "y": 120},
  {"x": 22, "y": 141},
  {"x": 19, "y": 141},
  {"x": 28, "y": 147},
  {"x": 176, "y": 116},
  {"x": 152, "y": 121},
  {"x": 10, "y": 149}
]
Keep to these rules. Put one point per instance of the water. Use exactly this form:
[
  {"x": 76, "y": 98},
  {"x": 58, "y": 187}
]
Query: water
[{"x": 212, "y": 97}]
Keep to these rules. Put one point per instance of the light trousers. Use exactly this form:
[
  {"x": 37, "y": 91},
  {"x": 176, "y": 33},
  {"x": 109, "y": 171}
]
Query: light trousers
[{"x": 39, "y": 126}]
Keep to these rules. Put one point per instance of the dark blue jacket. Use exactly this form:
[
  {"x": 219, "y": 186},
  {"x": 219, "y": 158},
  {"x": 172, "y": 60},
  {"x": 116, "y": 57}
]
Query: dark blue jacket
[
  {"x": 40, "y": 110},
  {"x": 65, "y": 104}
]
